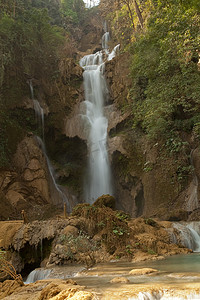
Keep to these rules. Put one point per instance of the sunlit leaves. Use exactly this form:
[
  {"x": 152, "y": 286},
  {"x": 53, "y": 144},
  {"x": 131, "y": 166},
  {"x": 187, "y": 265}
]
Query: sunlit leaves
[{"x": 166, "y": 80}]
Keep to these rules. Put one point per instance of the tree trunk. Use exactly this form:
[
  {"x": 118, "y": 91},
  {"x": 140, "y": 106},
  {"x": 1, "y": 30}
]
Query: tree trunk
[
  {"x": 130, "y": 13},
  {"x": 138, "y": 12}
]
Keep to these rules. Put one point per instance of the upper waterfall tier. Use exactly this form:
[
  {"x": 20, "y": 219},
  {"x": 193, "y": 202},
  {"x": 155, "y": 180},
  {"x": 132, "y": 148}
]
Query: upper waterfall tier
[{"x": 99, "y": 175}]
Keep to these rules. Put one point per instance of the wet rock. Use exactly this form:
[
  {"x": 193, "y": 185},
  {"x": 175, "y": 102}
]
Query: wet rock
[
  {"x": 120, "y": 280},
  {"x": 178, "y": 215},
  {"x": 142, "y": 271}
]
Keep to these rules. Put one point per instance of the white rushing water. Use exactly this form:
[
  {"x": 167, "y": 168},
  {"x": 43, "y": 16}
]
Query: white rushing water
[
  {"x": 188, "y": 234},
  {"x": 164, "y": 296},
  {"x": 95, "y": 122},
  {"x": 39, "y": 115},
  {"x": 39, "y": 112},
  {"x": 52, "y": 175},
  {"x": 193, "y": 201},
  {"x": 38, "y": 274},
  {"x": 114, "y": 52},
  {"x": 99, "y": 181},
  {"x": 105, "y": 40}
]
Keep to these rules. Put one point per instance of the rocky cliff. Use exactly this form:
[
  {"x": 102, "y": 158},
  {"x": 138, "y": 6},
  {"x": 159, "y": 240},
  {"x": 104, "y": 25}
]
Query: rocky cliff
[{"x": 149, "y": 179}]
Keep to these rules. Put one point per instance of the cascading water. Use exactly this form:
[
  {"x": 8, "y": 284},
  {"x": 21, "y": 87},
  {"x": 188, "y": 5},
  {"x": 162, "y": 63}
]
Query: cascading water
[
  {"x": 38, "y": 274},
  {"x": 95, "y": 122},
  {"x": 39, "y": 112},
  {"x": 188, "y": 234},
  {"x": 39, "y": 115},
  {"x": 52, "y": 174},
  {"x": 114, "y": 52},
  {"x": 193, "y": 201},
  {"x": 99, "y": 181},
  {"x": 164, "y": 296},
  {"x": 105, "y": 40}
]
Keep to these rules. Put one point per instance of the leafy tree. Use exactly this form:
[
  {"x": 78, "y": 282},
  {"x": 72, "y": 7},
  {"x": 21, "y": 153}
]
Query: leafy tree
[
  {"x": 28, "y": 45},
  {"x": 165, "y": 75},
  {"x": 72, "y": 11}
]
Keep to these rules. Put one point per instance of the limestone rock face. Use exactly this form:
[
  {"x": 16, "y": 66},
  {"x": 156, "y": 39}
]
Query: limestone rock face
[
  {"x": 117, "y": 75},
  {"x": 29, "y": 186},
  {"x": 148, "y": 180},
  {"x": 74, "y": 123},
  {"x": 27, "y": 240},
  {"x": 54, "y": 289}
]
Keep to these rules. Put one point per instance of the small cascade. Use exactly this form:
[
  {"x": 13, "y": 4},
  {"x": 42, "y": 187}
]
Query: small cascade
[
  {"x": 38, "y": 274},
  {"x": 105, "y": 40},
  {"x": 188, "y": 234},
  {"x": 39, "y": 115},
  {"x": 166, "y": 295},
  {"x": 114, "y": 52},
  {"x": 193, "y": 202},
  {"x": 39, "y": 112},
  {"x": 147, "y": 296},
  {"x": 41, "y": 249},
  {"x": 52, "y": 174}
]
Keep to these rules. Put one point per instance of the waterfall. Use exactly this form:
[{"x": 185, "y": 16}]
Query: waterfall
[
  {"x": 188, "y": 234},
  {"x": 193, "y": 201},
  {"x": 52, "y": 174},
  {"x": 114, "y": 52},
  {"x": 95, "y": 123},
  {"x": 38, "y": 274},
  {"x": 39, "y": 112},
  {"x": 105, "y": 40},
  {"x": 39, "y": 115}
]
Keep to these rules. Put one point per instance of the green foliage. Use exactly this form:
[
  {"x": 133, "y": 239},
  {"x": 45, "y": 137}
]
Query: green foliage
[
  {"x": 150, "y": 251},
  {"x": 72, "y": 11},
  {"x": 128, "y": 249},
  {"x": 2, "y": 254},
  {"x": 150, "y": 222},
  {"x": 183, "y": 172},
  {"x": 122, "y": 216},
  {"x": 148, "y": 167},
  {"x": 175, "y": 144},
  {"x": 28, "y": 45},
  {"x": 165, "y": 76},
  {"x": 81, "y": 244},
  {"x": 118, "y": 230},
  {"x": 112, "y": 228}
]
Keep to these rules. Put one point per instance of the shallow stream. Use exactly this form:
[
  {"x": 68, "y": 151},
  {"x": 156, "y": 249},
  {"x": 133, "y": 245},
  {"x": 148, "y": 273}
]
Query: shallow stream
[{"x": 176, "y": 274}]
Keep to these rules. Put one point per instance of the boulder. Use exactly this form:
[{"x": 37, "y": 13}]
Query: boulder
[
  {"x": 70, "y": 230},
  {"x": 120, "y": 280},
  {"x": 143, "y": 271}
]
